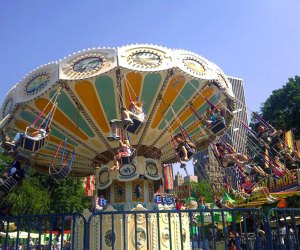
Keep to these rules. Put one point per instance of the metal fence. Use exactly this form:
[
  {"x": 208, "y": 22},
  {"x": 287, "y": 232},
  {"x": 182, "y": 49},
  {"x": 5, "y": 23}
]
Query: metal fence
[{"x": 141, "y": 229}]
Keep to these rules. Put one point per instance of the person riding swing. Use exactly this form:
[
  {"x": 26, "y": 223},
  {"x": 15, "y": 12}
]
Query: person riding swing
[
  {"x": 124, "y": 151},
  {"x": 185, "y": 149},
  {"x": 130, "y": 117},
  {"x": 268, "y": 136},
  {"x": 11, "y": 171},
  {"x": 228, "y": 155},
  {"x": 214, "y": 119},
  {"x": 135, "y": 111},
  {"x": 12, "y": 178},
  {"x": 36, "y": 134}
]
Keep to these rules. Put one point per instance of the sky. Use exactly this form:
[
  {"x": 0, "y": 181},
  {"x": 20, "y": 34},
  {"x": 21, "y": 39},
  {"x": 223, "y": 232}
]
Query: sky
[{"x": 255, "y": 40}]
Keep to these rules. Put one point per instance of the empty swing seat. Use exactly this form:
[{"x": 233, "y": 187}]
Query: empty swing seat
[
  {"x": 7, "y": 185},
  {"x": 218, "y": 126},
  {"x": 62, "y": 173},
  {"x": 135, "y": 126}
]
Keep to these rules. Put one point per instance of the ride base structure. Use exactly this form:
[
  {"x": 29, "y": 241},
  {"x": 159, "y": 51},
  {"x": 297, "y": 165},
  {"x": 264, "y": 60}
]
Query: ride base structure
[{"x": 83, "y": 93}]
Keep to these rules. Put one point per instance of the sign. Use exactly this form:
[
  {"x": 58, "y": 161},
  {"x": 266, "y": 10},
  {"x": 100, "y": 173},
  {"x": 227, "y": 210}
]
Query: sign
[
  {"x": 158, "y": 199},
  {"x": 170, "y": 200},
  {"x": 281, "y": 184},
  {"x": 102, "y": 202}
]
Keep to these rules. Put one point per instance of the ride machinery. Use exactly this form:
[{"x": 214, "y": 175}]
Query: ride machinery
[{"x": 90, "y": 88}]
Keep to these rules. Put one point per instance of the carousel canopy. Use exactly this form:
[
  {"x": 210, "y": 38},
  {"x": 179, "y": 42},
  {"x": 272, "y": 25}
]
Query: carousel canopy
[{"x": 96, "y": 83}]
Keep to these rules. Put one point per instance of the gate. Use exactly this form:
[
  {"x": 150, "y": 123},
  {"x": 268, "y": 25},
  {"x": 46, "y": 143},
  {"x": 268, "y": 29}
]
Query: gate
[
  {"x": 164, "y": 229},
  {"x": 60, "y": 231},
  {"x": 283, "y": 228}
]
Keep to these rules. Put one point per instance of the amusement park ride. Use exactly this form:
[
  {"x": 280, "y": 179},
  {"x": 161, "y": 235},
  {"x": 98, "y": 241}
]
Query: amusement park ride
[{"x": 81, "y": 116}]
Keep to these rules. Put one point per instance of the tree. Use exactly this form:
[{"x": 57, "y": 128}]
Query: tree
[
  {"x": 202, "y": 188},
  {"x": 282, "y": 108},
  {"x": 28, "y": 198},
  {"x": 40, "y": 194},
  {"x": 68, "y": 196}
]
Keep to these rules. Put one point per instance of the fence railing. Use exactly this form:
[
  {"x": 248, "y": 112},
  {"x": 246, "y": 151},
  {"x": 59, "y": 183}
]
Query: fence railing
[{"x": 165, "y": 229}]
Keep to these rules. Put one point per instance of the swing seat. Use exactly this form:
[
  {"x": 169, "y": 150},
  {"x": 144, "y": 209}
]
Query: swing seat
[
  {"x": 274, "y": 141},
  {"x": 218, "y": 126},
  {"x": 135, "y": 126},
  {"x": 127, "y": 159},
  {"x": 62, "y": 173},
  {"x": 33, "y": 144},
  {"x": 7, "y": 185},
  {"x": 190, "y": 152},
  {"x": 228, "y": 198},
  {"x": 230, "y": 164}
]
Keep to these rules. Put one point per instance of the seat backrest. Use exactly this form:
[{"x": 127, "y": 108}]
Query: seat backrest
[
  {"x": 135, "y": 126},
  {"x": 62, "y": 173},
  {"x": 190, "y": 151},
  {"x": 218, "y": 126},
  {"x": 128, "y": 159},
  {"x": 33, "y": 144}
]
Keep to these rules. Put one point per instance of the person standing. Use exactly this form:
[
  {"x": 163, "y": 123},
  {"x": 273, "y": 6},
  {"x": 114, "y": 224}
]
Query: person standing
[
  {"x": 238, "y": 241},
  {"x": 282, "y": 235},
  {"x": 231, "y": 241}
]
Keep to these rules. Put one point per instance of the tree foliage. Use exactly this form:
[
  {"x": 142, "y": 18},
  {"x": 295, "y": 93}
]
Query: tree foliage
[
  {"x": 282, "y": 108},
  {"x": 68, "y": 196},
  {"x": 40, "y": 194},
  {"x": 202, "y": 188},
  {"x": 29, "y": 198}
]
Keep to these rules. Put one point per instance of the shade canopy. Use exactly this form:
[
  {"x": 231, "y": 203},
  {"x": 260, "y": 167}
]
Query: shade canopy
[{"x": 96, "y": 83}]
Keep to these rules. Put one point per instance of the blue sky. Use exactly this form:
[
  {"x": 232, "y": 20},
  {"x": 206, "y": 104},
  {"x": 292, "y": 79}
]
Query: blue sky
[{"x": 255, "y": 40}]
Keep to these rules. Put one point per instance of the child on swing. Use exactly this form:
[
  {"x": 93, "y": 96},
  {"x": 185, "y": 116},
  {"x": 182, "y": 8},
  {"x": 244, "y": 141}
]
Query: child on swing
[
  {"x": 284, "y": 155},
  {"x": 124, "y": 150},
  {"x": 247, "y": 188},
  {"x": 228, "y": 156},
  {"x": 135, "y": 111},
  {"x": 182, "y": 148},
  {"x": 35, "y": 134},
  {"x": 268, "y": 137},
  {"x": 213, "y": 116},
  {"x": 278, "y": 168},
  {"x": 251, "y": 168}
]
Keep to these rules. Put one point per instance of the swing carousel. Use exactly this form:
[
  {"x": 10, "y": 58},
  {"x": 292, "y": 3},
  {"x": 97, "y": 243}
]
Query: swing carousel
[{"x": 81, "y": 96}]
